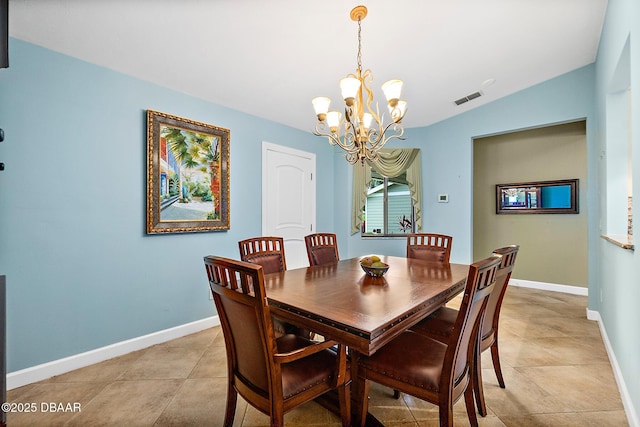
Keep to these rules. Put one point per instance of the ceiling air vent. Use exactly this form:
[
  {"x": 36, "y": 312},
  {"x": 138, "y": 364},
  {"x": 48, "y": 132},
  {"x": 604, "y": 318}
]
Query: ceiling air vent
[{"x": 468, "y": 98}]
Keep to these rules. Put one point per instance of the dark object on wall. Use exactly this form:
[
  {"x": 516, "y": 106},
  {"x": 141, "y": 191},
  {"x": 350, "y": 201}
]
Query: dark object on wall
[
  {"x": 4, "y": 33},
  {"x": 557, "y": 197}
]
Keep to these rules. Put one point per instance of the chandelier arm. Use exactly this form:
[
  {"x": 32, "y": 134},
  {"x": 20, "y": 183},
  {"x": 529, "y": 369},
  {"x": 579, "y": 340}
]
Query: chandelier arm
[
  {"x": 352, "y": 158},
  {"x": 397, "y": 129},
  {"x": 347, "y": 139},
  {"x": 349, "y": 148},
  {"x": 334, "y": 140},
  {"x": 343, "y": 138},
  {"x": 379, "y": 138}
]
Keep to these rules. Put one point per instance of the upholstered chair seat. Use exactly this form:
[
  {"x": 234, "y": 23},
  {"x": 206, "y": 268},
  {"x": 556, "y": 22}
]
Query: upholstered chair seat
[
  {"x": 428, "y": 254},
  {"x": 429, "y": 247},
  {"x": 322, "y": 248}
]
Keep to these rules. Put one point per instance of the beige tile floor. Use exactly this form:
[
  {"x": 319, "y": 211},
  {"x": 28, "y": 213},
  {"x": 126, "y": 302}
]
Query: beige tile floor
[{"x": 555, "y": 365}]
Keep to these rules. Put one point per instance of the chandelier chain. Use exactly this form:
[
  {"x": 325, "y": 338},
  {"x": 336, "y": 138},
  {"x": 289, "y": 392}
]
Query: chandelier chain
[{"x": 360, "y": 45}]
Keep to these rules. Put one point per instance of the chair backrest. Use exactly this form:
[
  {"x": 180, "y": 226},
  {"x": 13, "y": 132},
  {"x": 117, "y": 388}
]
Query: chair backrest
[
  {"x": 492, "y": 312},
  {"x": 239, "y": 296},
  {"x": 322, "y": 248},
  {"x": 480, "y": 282},
  {"x": 429, "y": 246},
  {"x": 266, "y": 251}
]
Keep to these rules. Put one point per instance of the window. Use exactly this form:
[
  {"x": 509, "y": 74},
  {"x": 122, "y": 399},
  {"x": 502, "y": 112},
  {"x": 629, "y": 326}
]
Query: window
[
  {"x": 387, "y": 194},
  {"x": 388, "y": 209}
]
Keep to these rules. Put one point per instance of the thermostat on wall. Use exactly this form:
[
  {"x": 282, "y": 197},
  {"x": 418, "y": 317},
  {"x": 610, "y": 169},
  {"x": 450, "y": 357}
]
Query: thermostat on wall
[{"x": 443, "y": 198}]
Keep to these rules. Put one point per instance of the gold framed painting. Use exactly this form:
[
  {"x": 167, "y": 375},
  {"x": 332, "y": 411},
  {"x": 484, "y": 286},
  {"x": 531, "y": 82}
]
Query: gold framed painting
[{"x": 187, "y": 175}]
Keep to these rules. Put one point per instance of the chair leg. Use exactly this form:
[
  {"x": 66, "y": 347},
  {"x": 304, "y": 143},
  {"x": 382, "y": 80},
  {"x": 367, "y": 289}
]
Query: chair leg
[
  {"x": 476, "y": 384},
  {"x": 495, "y": 357},
  {"x": 232, "y": 398},
  {"x": 471, "y": 409},
  {"x": 277, "y": 421},
  {"x": 277, "y": 416},
  {"x": 396, "y": 394},
  {"x": 446, "y": 414}
]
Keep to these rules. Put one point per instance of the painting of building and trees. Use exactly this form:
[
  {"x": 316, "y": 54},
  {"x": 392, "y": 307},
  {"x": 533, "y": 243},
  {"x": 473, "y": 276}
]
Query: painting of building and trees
[{"x": 189, "y": 175}]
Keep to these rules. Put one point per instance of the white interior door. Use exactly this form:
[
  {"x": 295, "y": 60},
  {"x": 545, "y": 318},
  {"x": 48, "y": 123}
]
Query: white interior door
[{"x": 289, "y": 199}]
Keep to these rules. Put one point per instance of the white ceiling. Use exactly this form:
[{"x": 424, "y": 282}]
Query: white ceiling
[{"x": 270, "y": 58}]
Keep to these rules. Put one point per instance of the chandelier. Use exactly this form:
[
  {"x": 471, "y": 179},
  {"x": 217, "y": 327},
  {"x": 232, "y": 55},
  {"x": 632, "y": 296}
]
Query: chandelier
[{"x": 362, "y": 132}]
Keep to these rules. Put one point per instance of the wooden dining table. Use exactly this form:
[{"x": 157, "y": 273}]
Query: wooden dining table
[{"x": 340, "y": 302}]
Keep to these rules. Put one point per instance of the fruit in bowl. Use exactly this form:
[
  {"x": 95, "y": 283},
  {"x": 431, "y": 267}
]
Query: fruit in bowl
[
  {"x": 373, "y": 266},
  {"x": 369, "y": 260}
]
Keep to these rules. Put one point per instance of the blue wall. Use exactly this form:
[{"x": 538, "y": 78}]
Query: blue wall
[
  {"x": 617, "y": 289},
  {"x": 81, "y": 272}
]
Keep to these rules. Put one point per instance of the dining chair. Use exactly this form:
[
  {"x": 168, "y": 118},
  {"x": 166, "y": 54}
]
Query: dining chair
[
  {"x": 428, "y": 369},
  {"x": 274, "y": 375},
  {"x": 440, "y": 324},
  {"x": 268, "y": 251},
  {"x": 322, "y": 248},
  {"x": 429, "y": 246}
]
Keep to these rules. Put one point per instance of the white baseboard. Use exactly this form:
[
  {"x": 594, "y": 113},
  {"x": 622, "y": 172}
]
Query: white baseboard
[
  {"x": 629, "y": 409},
  {"x": 567, "y": 289},
  {"x": 67, "y": 364}
]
